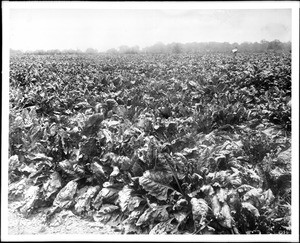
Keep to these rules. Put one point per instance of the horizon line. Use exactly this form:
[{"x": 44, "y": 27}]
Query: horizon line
[{"x": 141, "y": 48}]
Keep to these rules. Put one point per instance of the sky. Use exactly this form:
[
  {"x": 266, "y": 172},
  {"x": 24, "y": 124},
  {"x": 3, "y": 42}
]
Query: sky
[{"x": 33, "y": 29}]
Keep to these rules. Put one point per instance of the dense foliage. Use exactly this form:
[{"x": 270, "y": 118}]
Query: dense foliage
[{"x": 154, "y": 144}]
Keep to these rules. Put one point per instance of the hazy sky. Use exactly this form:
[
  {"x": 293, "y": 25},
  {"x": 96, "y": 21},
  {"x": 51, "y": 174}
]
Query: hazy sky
[{"x": 32, "y": 29}]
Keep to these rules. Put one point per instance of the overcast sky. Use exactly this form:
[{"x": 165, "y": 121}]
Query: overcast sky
[{"x": 32, "y": 29}]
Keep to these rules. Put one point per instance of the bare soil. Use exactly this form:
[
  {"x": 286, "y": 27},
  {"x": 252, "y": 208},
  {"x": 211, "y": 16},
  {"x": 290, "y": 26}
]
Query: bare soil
[{"x": 63, "y": 223}]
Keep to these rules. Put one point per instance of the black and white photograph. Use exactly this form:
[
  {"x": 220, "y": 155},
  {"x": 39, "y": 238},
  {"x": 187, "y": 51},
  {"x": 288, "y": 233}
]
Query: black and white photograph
[{"x": 150, "y": 121}]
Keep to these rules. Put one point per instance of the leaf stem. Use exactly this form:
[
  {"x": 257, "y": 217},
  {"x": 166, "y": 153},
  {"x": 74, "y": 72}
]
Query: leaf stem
[{"x": 176, "y": 179}]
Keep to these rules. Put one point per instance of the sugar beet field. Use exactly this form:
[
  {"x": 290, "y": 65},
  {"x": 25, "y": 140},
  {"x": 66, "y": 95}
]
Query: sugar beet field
[{"x": 153, "y": 144}]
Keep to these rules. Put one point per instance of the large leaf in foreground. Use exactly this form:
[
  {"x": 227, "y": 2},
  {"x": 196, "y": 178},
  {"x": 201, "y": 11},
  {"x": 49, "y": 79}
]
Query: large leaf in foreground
[
  {"x": 157, "y": 183},
  {"x": 251, "y": 208},
  {"x": 127, "y": 201},
  {"x": 225, "y": 219},
  {"x": 65, "y": 197},
  {"x": 83, "y": 201},
  {"x": 109, "y": 214},
  {"x": 107, "y": 194},
  {"x": 152, "y": 214},
  {"x": 199, "y": 208},
  {"x": 31, "y": 197},
  {"x": 163, "y": 228},
  {"x": 17, "y": 189},
  {"x": 52, "y": 185}
]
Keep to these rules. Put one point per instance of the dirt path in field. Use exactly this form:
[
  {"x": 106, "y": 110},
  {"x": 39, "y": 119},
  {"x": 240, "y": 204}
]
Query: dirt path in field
[{"x": 65, "y": 223}]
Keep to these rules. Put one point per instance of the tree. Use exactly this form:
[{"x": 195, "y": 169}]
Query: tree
[
  {"x": 15, "y": 52},
  {"x": 245, "y": 46},
  {"x": 177, "y": 48},
  {"x": 135, "y": 49},
  {"x": 91, "y": 51},
  {"x": 112, "y": 51},
  {"x": 123, "y": 49},
  {"x": 275, "y": 45},
  {"x": 53, "y": 51},
  {"x": 159, "y": 47},
  {"x": 287, "y": 46}
]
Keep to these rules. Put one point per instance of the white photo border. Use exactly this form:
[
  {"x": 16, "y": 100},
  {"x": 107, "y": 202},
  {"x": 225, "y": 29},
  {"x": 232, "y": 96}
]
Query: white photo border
[{"x": 7, "y": 6}]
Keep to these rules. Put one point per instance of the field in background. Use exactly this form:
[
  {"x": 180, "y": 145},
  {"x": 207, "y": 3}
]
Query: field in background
[{"x": 177, "y": 143}]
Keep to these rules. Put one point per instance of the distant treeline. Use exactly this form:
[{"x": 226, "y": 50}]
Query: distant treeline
[{"x": 177, "y": 48}]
